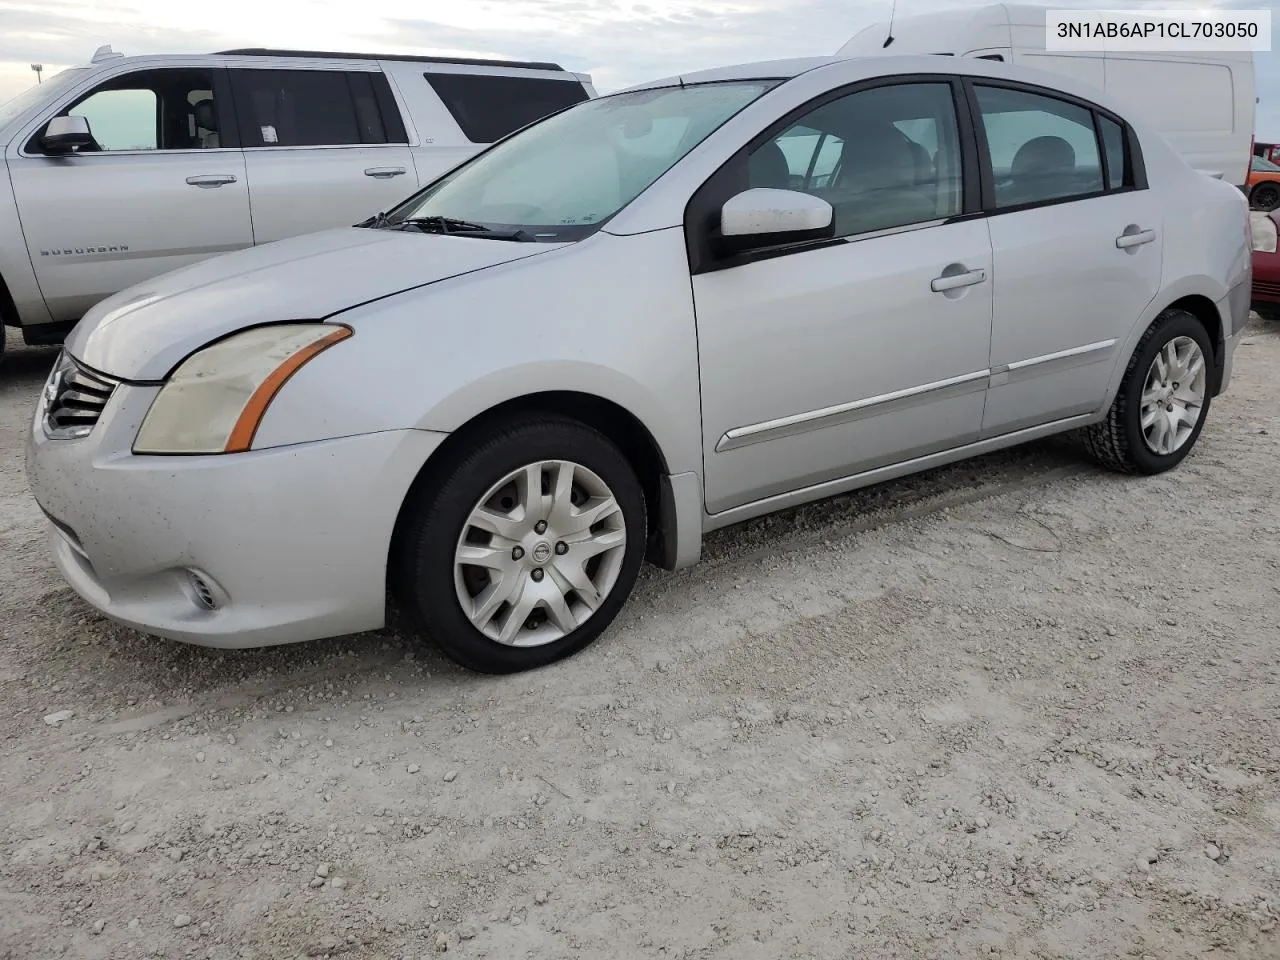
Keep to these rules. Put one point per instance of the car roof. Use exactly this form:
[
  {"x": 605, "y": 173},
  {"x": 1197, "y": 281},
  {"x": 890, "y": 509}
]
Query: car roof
[{"x": 883, "y": 65}]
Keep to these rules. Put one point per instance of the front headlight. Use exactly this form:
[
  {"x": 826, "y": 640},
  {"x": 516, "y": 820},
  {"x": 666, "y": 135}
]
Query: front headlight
[
  {"x": 1262, "y": 230},
  {"x": 216, "y": 398}
]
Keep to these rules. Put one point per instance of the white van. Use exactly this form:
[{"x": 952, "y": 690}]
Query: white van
[{"x": 1202, "y": 102}]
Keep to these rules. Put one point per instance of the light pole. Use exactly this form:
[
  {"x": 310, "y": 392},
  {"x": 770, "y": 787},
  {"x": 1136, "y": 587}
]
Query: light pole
[{"x": 38, "y": 68}]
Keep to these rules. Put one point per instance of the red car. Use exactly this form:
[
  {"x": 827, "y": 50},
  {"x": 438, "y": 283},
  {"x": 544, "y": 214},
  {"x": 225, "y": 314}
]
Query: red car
[{"x": 1266, "y": 264}]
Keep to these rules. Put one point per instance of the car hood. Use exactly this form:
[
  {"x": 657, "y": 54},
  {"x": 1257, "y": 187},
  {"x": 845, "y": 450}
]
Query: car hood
[{"x": 142, "y": 333}]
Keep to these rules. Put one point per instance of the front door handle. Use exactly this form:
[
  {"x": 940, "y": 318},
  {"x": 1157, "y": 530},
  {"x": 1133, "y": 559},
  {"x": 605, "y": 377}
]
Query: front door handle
[
  {"x": 384, "y": 173},
  {"x": 211, "y": 180},
  {"x": 953, "y": 281},
  {"x": 1136, "y": 238}
]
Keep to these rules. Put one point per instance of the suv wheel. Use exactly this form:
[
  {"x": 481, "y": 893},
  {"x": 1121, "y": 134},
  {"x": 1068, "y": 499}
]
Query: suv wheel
[
  {"x": 526, "y": 549},
  {"x": 1160, "y": 408}
]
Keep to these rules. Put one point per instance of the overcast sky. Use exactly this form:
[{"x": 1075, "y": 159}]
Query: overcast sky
[{"x": 618, "y": 42}]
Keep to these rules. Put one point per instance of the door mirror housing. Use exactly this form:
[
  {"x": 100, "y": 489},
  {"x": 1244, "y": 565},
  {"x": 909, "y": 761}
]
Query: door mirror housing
[
  {"x": 65, "y": 134},
  {"x": 765, "y": 217}
]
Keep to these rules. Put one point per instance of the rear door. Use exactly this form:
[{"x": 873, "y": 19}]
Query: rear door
[
  {"x": 1076, "y": 244},
  {"x": 323, "y": 148},
  {"x": 164, "y": 188}
]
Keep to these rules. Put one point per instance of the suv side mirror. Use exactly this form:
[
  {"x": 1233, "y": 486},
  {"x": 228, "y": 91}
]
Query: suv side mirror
[
  {"x": 764, "y": 216},
  {"x": 65, "y": 134}
]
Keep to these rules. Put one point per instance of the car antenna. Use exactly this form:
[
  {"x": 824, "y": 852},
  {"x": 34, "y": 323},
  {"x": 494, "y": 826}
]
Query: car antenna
[{"x": 889, "y": 39}]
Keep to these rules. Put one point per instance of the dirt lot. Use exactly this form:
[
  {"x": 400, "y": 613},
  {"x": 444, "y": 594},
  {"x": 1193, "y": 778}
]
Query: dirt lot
[{"x": 1015, "y": 708}]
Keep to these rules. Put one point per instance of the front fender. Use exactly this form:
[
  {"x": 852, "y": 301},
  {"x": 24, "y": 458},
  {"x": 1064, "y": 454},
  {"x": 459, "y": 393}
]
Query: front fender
[
  {"x": 611, "y": 317},
  {"x": 16, "y": 271}
]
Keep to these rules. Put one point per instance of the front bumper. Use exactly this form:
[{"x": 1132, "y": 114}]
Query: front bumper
[{"x": 288, "y": 543}]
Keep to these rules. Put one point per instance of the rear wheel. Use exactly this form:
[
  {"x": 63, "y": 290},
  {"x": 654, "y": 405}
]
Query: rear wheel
[
  {"x": 526, "y": 549},
  {"x": 1265, "y": 197},
  {"x": 1161, "y": 406}
]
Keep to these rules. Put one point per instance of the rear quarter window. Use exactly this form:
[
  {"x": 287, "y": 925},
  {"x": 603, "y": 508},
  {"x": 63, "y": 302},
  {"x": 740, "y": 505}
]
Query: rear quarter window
[{"x": 488, "y": 108}]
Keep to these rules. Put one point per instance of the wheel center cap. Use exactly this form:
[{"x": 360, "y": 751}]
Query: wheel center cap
[{"x": 542, "y": 552}]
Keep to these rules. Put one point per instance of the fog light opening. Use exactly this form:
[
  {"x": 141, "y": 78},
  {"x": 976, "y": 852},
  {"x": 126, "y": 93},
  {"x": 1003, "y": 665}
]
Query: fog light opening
[{"x": 202, "y": 591}]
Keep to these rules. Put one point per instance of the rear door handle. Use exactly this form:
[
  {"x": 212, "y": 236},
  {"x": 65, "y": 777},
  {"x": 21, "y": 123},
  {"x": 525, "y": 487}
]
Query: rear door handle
[
  {"x": 384, "y": 173},
  {"x": 954, "y": 281},
  {"x": 211, "y": 180},
  {"x": 1136, "y": 239}
]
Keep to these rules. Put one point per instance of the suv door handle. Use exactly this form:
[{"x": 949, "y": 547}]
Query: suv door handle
[
  {"x": 211, "y": 180},
  {"x": 384, "y": 173},
  {"x": 953, "y": 281},
  {"x": 1135, "y": 239}
]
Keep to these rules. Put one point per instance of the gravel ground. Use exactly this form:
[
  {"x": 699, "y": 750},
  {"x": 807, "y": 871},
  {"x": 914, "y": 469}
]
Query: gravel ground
[{"x": 1014, "y": 708}]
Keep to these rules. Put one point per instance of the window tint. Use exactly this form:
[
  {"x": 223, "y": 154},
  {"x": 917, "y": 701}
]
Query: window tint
[
  {"x": 1041, "y": 148},
  {"x": 884, "y": 157},
  {"x": 152, "y": 110},
  {"x": 313, "y": 108},
  {"x": 1114, "y": 147},
  {"x": 488, "y": 108}
]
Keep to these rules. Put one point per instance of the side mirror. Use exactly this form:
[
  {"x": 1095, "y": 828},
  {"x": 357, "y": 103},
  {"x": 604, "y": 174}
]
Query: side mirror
[
  {"x": 763, "y": 217},
  {"x": 65, "y": 134}
]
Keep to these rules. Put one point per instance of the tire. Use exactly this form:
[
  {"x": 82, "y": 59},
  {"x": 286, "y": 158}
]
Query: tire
[
  {"x": 1268, "y": 311},
  {"x": 1265, "y": 196},
  {"x": 439, "y": 522},
  {"x": 1119, "y": 441}
]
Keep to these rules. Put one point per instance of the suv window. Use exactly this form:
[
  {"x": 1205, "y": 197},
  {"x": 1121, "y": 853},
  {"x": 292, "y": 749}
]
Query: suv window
[
  {"x": 313, "y": 108},
  {"x": 153, "y": 110},
  {"x": 884, "y": 157},
  {"x": 488, "y": 108},
  {"x": 1041, "y": 148}
]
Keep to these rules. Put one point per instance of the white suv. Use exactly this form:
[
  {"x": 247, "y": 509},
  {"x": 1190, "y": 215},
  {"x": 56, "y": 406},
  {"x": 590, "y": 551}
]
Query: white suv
[{"x": 134, "y": 166}]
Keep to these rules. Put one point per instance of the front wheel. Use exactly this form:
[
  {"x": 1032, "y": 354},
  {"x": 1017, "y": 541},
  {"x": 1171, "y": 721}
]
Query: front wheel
[
  {"x": 526, "y": 548},
  {"x": 1160, "y": 408}
]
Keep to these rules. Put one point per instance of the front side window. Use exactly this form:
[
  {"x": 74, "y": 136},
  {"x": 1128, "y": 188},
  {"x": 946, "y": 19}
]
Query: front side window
[
  {"x": 1262, "y": 165},
  {"x": 1041, "y": 148},
  {"x": 565, "y": 176},
  {"x": 884, "y": 157},
  {"x": 152, "y": 110},
  {"x": 489, "y": 108}
]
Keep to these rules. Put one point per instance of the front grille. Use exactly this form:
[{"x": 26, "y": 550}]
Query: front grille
[
  {"x": 1266, "y": 288},
  {"x": 74, "y": 399}
]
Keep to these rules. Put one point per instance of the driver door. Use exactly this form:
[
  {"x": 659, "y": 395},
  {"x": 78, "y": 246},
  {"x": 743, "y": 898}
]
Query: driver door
[
  {"x": 824, "y": 360},
  {"x": 166, "y": 188}
]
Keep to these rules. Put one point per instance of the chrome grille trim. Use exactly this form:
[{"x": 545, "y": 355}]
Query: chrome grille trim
[{"x": 74, "y": 399}]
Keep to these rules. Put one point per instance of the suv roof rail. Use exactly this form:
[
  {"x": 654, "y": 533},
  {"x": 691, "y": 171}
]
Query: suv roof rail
[{"x": 335, "y": 55}]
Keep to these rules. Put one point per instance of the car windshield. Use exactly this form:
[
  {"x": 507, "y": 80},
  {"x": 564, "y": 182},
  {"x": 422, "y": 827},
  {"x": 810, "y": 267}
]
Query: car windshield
[
  {"x": 563, "y": 177},
  {"x": 1262, "y": 165},
  {"x": 33, "y": 96}
]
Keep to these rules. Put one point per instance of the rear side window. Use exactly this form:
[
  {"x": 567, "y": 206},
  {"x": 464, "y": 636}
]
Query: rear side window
[
  {"x": 1040, "y": 148},
  {"x": 488, "y": 108},
  {"x": 1114, "y": 150},
  {"x": 314, "y": 108}
]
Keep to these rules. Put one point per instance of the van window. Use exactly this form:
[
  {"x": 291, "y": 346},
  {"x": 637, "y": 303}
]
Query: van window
[
  {"x": 488, "y": 108},
  {"x": 312, "y": 108},
  {"x": 885, "y": 157},
  {"x": 1041, "y": 148},
  {"x": 151, "y": 110}
]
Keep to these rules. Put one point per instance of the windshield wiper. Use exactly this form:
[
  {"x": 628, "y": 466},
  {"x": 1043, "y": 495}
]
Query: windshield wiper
[
  {"x": 451, "y": 225},
  {"x": 379, "y": 219}
]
